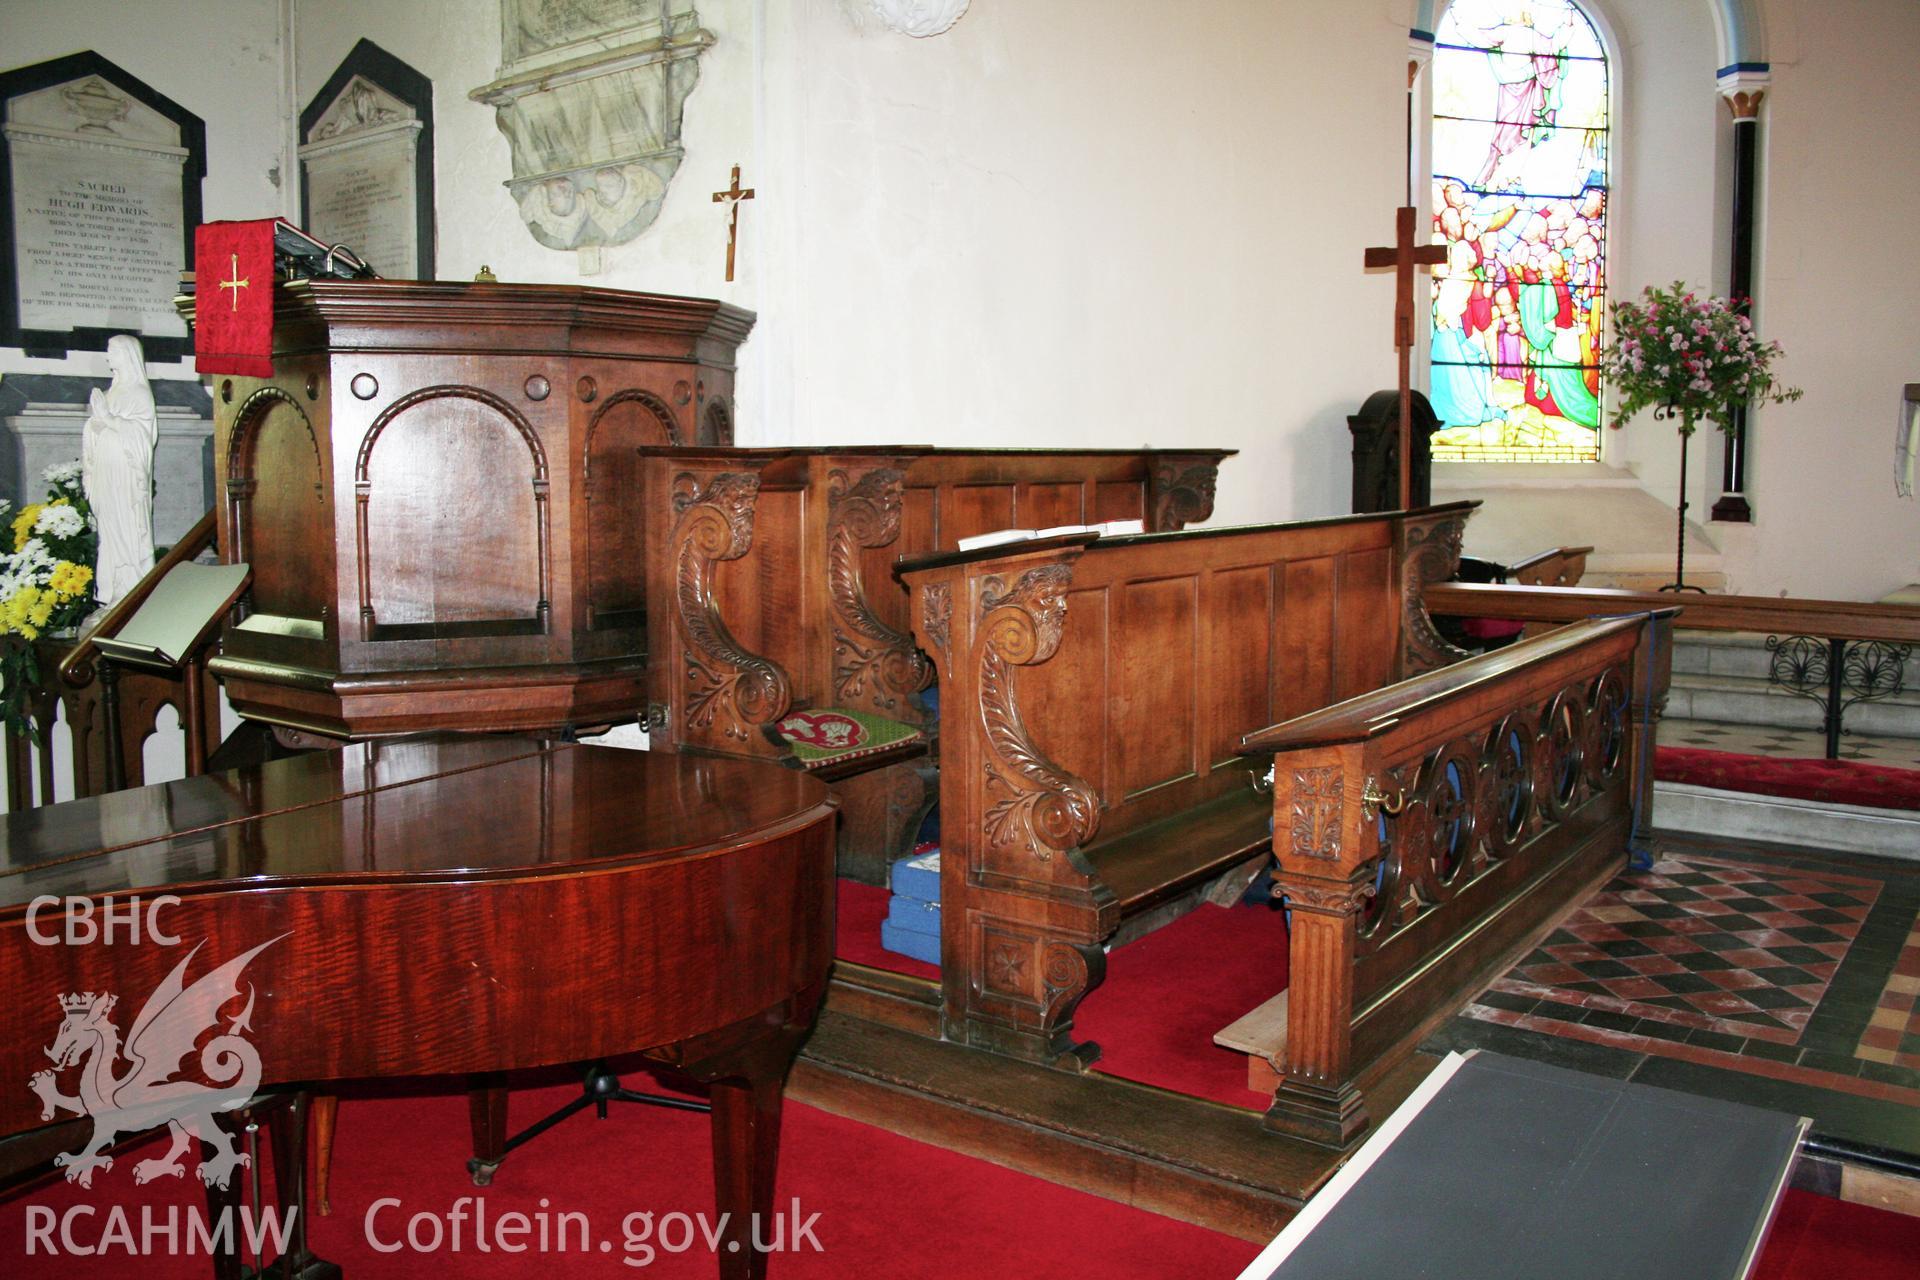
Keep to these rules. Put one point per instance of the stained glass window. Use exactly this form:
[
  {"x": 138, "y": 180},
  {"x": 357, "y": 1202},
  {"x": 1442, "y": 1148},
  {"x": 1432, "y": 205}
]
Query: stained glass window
[{"x": 1520, "y": 201}]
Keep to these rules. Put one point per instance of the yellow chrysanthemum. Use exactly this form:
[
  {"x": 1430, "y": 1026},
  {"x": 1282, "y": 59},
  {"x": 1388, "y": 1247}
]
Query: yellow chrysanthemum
[
  {"x": 70, "y": 579},
  {"x": 41, "y": 611},
  {"x": 24, "y": 522}
]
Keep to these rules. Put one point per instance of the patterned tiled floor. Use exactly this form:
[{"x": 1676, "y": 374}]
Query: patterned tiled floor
[
  {"x": 1893, "y": 1032},
  {"x": 1767, "y": 740},
  {"x": 1703, "y": 943},
  {"x": 1785, "y": 981}
]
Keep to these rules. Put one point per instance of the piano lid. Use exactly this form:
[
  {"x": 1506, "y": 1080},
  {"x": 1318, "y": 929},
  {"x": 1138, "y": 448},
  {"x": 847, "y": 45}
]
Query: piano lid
[{"x": 440, "y": 808}]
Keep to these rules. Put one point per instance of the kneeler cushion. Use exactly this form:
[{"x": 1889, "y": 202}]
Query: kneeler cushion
[{"x": 833, "y": 735}]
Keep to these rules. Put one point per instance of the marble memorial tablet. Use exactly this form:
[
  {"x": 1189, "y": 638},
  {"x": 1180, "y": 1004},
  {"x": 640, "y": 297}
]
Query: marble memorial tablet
[
  {"x": 97, "y": 209},
  {"x": 367, "y": 160}
]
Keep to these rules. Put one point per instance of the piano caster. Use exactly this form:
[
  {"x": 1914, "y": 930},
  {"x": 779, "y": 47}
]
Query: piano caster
[{"x": 482, "y": 1171}]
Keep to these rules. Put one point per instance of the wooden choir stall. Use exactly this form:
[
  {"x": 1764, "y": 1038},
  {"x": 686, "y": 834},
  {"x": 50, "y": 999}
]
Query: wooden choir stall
[
  {"x": 499, "y": 508},
  {"x": 1111, "y": 706},
  {"x": 780, "y": 631}
]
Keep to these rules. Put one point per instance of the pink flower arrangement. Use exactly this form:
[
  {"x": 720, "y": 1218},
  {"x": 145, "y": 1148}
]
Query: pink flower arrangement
[{"x": 1690, "y": 358}]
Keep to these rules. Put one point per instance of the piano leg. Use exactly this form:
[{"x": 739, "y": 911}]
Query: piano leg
[
  {"x": 745, "y": 1068},
  {"x": 746, "y": 1151},
  {"x": 487, "y": 1113},
  {"x": 288, "y": 1131},
  {"x": 326, "y": 1108}
]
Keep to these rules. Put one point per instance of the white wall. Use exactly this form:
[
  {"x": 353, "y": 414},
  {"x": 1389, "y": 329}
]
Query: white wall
[
  {"x": 1839, "y": 287},
  {"x": 220, "y": 59},
  {"x": 1069, "y": 223},
  {"x": 1074, "y": 222}
]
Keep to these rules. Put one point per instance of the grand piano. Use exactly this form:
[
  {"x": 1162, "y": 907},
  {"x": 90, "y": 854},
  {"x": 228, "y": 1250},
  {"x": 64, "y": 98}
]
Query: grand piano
[{"x": 408, "y": 908}]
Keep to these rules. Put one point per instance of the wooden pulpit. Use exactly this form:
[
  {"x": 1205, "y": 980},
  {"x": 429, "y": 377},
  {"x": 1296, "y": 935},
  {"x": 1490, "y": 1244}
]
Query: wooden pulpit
[{"x": 438, "y": 490}]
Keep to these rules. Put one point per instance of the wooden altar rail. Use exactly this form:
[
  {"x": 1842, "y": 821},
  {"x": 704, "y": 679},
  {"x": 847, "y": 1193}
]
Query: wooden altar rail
[
  {"x": 770, "y": 589},
  {"x": 1835, "y": 678},
  {"x": 104, "y": 762},
  {"x": 1094, "y": 692},
  {"x": 1763, "y": 615},
  {"x": 1425, "y": 830}
]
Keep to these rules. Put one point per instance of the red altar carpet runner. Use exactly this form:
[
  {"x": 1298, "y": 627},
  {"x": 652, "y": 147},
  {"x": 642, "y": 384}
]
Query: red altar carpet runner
[
  {"x": 233, "y": 298},
  {"x": 1827, "y": 781}
]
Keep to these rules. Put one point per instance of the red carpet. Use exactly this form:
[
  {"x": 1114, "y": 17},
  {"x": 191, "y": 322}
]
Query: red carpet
[
  {"x": 890, "y": 1208},
  {"x": 1164, "y": 997},
  {"x": 1166, "y": 994},
  {"x": 1815, "y": 1238},
  {"x": 1829, "y": 781},
  {"x": 860, "y": 910}
]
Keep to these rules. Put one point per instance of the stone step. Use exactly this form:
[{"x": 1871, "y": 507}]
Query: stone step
[
  {"x": 1726, "y": 679},
  {"x": 1745, "y": 656}
]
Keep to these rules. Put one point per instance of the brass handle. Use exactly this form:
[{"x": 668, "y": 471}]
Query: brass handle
[
  {"x": 1374, "y": 802},
  {"x": 1262, "y": 782}
]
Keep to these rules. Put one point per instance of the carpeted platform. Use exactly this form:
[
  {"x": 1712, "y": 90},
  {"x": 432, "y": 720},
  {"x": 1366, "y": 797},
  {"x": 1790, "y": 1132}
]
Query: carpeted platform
[
  {"x": 1168, "y": 993},
  {"x": 1827, "y": 781},
  {"x": 1164, "y": 997}
]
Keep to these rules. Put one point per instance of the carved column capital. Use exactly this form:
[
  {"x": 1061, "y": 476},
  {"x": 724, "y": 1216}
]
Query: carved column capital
[{"x": 1746, "y": 105}]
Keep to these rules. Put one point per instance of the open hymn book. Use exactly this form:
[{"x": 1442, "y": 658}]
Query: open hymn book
[
  {"x": 170, "y": 623},
  {"x": 1109, "y": 529}
]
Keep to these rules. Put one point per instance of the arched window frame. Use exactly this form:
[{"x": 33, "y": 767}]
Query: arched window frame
[{"x": 1429, "y": 16}]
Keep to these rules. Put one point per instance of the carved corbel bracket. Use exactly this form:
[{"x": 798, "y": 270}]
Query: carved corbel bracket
[
  {"x": 1034, "y": 803},
  {"x": 728, "y": 690},
  {"x": 874, "y": 665},
  {"x": 1429, "y": 553},
  {"x": 1180, "y": 491}
]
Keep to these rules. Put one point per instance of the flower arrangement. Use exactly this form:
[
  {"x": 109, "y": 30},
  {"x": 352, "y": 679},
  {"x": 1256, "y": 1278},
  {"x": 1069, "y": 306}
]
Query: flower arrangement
[
  {"x": 46, "y": 581},
  {"x": 1689, "y": 358}
]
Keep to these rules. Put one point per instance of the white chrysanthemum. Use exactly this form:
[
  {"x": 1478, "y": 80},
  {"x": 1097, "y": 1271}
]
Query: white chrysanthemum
[
  {"x": 60, "y": 522},
  {"x": 62, "y": 473}
]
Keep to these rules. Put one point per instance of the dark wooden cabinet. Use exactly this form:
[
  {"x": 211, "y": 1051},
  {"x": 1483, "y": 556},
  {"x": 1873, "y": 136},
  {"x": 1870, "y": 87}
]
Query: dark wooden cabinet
[{"x": 437, "y": 490}]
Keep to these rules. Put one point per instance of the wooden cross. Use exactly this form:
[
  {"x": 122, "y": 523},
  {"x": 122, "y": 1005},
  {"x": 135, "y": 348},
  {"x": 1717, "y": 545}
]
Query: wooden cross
[
  {"x": 1403, "y": 257},
  {"x": 732, "y": 198},
  {"x": 235, "y": 283}
]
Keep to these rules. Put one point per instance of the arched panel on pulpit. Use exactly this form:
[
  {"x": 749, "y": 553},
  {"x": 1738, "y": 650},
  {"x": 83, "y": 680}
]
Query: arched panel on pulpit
[
  {"x": 277, "y": 511},
  {"x": 612, "y": 475},
  {"x": 451, "y": 516}
]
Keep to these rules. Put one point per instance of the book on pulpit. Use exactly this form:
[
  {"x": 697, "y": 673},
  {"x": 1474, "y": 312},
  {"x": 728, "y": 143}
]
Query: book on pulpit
[{"x": 182, "y": 610}]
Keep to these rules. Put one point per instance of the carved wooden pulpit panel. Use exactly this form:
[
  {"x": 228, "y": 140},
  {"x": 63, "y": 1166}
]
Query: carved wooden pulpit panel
[{"x": 438, "y": 492}]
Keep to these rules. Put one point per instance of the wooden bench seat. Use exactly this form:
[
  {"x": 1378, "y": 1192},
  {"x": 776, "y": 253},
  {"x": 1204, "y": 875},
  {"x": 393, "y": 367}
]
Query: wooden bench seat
[
  {"x": 1094, "y": 695},
  {"x": 1161, "y": 861},
  {"x": 777, "y": 566}
]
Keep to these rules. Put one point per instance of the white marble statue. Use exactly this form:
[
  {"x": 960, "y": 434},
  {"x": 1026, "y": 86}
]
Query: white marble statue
[{"x": 116, "y": 461}]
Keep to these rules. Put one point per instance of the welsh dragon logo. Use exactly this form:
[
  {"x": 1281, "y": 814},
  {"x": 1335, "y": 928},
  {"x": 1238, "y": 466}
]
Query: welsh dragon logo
[{"x": 146, "y": 1093}]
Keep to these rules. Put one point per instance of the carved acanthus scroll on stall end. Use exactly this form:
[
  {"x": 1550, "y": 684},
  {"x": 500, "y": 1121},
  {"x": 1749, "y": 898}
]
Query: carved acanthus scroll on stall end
[
  {"x": 873, "y": 664},
  {"x": 728, "y": 687},
  {"x": 1040, "y": 804}
]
